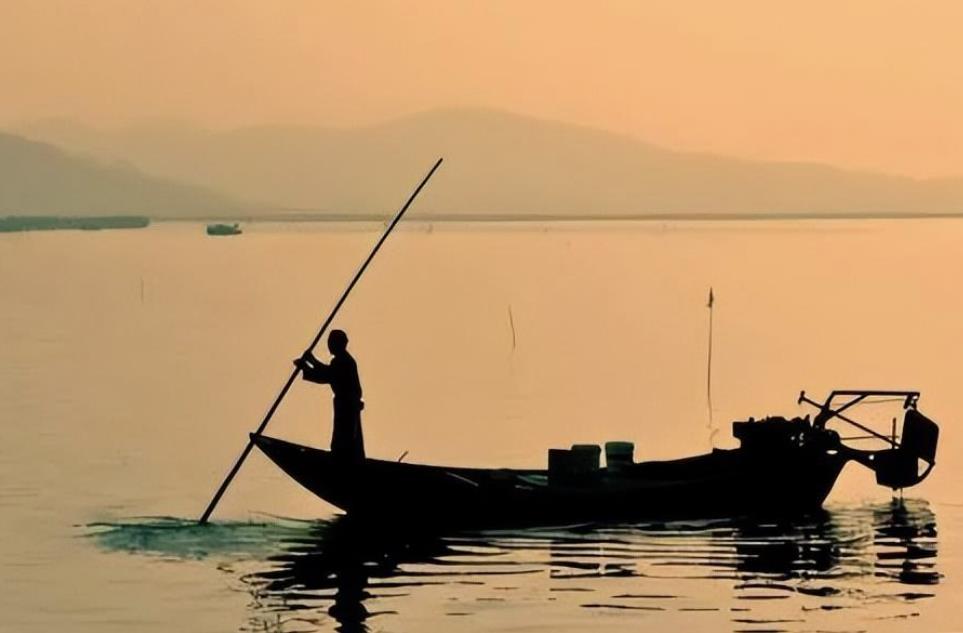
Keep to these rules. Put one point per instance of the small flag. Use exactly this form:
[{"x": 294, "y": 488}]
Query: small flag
[{"x": 712, "y": 299}]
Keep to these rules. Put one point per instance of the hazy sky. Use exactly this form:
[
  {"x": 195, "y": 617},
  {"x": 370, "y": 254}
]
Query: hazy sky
[{"x": 862, "y": 83}]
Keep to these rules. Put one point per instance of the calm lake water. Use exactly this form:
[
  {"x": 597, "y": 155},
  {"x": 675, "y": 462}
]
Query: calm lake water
[{"x": 135, "y": 362}]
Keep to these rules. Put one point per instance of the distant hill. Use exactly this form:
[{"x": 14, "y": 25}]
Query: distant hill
[
  {"x": 496, "y": 164},
  {"x": 39, "y": 179}
]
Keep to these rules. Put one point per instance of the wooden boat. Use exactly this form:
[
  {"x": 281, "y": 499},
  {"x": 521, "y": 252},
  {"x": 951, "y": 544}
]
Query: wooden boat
[{"x": 782, "y": 466}]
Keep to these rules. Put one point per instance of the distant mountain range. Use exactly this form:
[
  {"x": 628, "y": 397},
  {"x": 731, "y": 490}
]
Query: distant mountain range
[
  {"x": 40, "y": 179},
  {"x": 497, "y": 164}
]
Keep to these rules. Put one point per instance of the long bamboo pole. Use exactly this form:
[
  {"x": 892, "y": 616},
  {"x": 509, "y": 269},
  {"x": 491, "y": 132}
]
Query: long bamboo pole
[{"x": 287, "y": 386}]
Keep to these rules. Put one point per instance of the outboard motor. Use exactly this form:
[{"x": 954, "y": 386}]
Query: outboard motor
[
  {"x": 913, "y": 459},
  {"x": 912, "y": 452}
]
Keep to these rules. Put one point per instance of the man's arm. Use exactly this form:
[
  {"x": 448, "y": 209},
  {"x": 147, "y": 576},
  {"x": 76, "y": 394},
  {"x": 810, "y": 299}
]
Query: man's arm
[{"x": 313, "y": 370}]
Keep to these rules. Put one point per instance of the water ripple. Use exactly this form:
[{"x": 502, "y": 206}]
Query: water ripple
[{"x": 837, "y": 570}]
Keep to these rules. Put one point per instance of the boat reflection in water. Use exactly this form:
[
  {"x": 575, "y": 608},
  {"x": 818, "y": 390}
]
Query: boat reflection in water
[{"x": 840, "y": 569}]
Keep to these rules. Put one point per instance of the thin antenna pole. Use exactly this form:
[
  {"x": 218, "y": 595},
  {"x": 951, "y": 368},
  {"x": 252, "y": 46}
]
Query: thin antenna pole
[
  {"x": 314, "y": 342},
  {"x": 709, "y": 361}
]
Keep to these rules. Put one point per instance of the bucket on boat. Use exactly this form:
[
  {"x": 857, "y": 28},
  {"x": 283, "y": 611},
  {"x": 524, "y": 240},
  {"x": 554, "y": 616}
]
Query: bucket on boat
[
  {"x": 619, "y": 455},
  {"x": 571, "y": 466},
  {"x": 586, "y": 457}
]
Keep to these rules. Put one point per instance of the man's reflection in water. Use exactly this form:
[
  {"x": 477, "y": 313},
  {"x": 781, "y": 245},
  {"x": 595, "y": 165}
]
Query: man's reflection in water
[
  {"x": 348, "y": 608},
  {"x": 340, "y": 556}
]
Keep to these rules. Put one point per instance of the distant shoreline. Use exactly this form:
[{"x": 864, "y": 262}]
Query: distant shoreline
[
  {"x": 19, "y": 223},
  {"x": 15, "y": 223},
  {"x": 502, "y": 218}
]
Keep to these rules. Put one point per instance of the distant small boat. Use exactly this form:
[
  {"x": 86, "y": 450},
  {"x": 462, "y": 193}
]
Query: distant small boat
[
  {"x": 223, "y": 229},
  {"x": 782, "y": 466}
]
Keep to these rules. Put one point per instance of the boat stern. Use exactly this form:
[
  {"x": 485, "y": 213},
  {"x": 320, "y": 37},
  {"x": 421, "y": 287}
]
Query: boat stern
[{"x": 910, "y": 448}]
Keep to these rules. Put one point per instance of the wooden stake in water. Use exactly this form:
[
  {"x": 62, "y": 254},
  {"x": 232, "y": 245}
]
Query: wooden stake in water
[{"x": 324, "y": 327}]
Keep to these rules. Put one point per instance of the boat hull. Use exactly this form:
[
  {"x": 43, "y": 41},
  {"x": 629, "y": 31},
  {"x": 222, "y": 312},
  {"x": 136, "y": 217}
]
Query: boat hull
[{"x": 723, "y": 482}]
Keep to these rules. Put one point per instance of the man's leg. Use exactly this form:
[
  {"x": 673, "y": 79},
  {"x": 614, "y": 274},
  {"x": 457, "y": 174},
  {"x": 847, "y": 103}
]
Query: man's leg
[
  {"x": 358, "y": 449},
  {"x": 340, "y": 435}
]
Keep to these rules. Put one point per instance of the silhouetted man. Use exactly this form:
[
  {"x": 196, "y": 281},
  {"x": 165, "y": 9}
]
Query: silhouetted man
[{"x": 342, "y": 374}]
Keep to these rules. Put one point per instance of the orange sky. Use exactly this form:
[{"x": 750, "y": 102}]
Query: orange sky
[{"x": 861, "y": 83}]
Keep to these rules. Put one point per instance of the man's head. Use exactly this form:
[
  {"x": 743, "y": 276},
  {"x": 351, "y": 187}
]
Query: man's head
[{"x": 337, "y": 341}]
